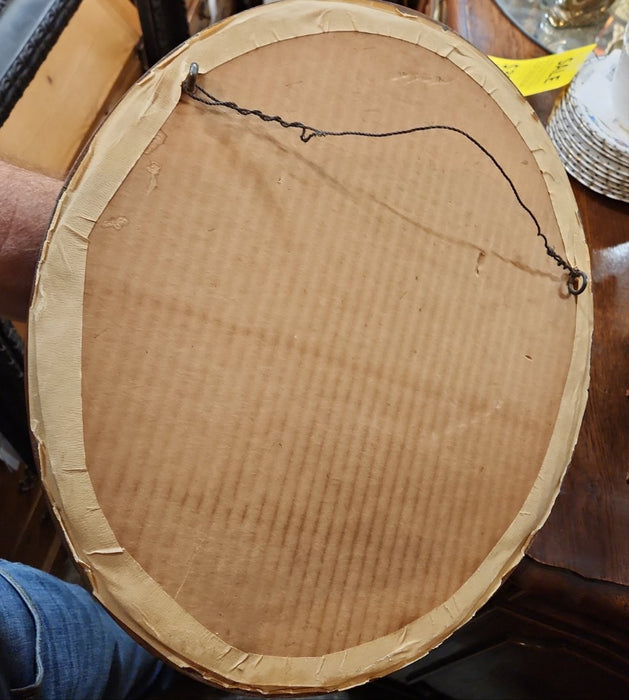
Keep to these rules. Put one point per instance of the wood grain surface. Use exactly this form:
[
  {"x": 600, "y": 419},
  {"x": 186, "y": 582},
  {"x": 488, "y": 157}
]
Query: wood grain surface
[
  {"x": 88, "y": 70},
  {"x": 587, "y": 529}
]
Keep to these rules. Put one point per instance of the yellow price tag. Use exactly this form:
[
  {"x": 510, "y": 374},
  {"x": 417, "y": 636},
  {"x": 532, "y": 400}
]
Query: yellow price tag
[{"x": 533, "y": 75}]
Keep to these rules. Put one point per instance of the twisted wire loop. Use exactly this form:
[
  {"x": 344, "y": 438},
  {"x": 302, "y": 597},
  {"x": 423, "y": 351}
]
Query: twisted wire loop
[{"x": 577, "y": 279}]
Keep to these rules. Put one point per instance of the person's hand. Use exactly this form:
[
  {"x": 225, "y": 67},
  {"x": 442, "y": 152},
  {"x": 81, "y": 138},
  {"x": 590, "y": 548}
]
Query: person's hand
[{"x": 27, "y": 201}]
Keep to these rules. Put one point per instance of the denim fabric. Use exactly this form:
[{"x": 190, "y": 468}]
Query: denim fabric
[{"x": 58, "y": 643}]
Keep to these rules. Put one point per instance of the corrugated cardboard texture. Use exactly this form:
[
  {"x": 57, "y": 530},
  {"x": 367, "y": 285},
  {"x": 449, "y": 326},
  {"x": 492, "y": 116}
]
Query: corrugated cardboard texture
[{"x": 327, "y": 390}]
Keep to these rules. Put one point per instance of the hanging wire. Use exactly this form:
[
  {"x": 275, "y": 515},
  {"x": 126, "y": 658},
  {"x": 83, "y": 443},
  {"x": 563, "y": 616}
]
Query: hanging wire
[{"x": 577, "y": 279}]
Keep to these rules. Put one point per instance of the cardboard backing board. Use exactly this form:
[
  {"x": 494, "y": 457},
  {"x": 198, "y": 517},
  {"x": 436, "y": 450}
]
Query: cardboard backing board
[{"x": 300, "y": 406}]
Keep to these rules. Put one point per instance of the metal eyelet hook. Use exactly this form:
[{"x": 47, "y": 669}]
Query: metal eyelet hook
[
  {"x": 577, "y": 282},
  {"x": 190, "y": 83}
]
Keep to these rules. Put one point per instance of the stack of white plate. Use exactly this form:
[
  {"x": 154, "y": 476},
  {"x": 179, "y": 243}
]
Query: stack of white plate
[{"x": 587, "y": 132}]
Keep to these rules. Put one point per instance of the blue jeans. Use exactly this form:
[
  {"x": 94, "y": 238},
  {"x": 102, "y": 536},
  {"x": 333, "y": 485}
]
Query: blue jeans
[{"x": 57, "y": 642}]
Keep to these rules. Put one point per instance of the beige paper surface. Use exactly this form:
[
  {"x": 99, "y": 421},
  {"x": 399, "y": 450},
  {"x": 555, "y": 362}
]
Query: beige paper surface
[{"x": 301, "y": 406}]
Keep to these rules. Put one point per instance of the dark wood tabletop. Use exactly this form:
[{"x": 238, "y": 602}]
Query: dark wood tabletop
[{"x": 588, "y": 529}]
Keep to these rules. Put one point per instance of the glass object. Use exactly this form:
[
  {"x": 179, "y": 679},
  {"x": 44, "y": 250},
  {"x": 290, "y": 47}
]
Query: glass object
[
  {"x": 532, "y": 18},
  {"x": 578, "y": 13}
]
